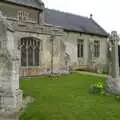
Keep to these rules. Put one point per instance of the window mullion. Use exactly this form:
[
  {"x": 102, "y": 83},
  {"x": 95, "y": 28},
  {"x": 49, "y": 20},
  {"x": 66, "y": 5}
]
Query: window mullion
[
  {"x": 80, "y": 49},
  {"x": 27, "y": 52},
  {"x": 33, "y": 56}
]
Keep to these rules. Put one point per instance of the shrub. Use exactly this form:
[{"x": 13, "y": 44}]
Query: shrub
[{"x": 97, "y": 88}]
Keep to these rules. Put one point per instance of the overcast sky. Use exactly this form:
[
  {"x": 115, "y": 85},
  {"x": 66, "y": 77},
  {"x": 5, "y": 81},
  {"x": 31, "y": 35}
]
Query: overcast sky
[{"x": 105, "y": 12}]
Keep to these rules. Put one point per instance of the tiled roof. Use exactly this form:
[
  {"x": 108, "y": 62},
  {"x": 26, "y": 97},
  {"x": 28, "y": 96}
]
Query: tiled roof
[
  {"x": 66, "y": 20},
  {"x": 73, "y": 22},
  {"x": 31, "y": 3}
]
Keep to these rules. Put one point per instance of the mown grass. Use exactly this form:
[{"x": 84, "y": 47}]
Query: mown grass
[{"x": 68, "y": 98}]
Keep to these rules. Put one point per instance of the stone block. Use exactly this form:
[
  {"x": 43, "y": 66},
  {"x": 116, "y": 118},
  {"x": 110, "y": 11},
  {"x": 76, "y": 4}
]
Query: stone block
[
  {"x": 113, "y": 85},
  {"x": 11, "y": 100}
]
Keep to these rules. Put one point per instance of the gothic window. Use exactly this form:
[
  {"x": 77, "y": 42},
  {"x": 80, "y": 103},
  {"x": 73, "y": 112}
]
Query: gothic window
[
  {"x": 25, "y": 16},
  {"x": 96, "y": 48},
  {"x": 36, "y": 56},
  {"x": 80, "y": 48},
  {"x": 24, "y": 56},
  {"x": 30, "y": 52},
  {"x": 22, "y": 16},
  {"x": 30, "y": 56}
]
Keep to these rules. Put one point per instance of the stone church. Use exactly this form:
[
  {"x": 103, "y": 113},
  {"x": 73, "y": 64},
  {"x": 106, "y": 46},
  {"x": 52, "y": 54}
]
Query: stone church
[{"x": 53, "y": 41}]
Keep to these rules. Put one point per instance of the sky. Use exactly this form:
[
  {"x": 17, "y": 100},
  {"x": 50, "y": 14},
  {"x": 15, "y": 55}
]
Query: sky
[{"x": 105, "y": 12}]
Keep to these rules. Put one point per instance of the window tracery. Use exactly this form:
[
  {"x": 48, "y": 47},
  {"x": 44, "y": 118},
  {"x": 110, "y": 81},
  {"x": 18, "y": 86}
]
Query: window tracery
[
  {"x": 80, "y": 48},
  {"x": 30, "y": 52},
  {"x": 96, "y": 48}
]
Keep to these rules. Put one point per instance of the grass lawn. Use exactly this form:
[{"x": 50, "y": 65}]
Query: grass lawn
[{"x": 67, "y": 98}]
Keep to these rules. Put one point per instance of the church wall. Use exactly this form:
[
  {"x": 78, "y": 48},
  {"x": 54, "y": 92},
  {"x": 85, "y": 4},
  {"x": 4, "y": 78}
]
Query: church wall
[
  {"x": 34, "y": 70},
  {"x": 62, "y": 44},
  {"x": 11, "y": 11},
  {"x": 66, "y": 43},
  {"x": 71, "y": 39},
  {"x": 45, "y": 54}
]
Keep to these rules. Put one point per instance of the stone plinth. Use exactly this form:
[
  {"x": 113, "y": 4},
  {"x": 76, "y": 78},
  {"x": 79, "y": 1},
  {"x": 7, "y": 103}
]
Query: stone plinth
[
  {"x": 11, "y": 100},
  {"x": 113, "y": 85},
  {"x": 9, "y": 116}
]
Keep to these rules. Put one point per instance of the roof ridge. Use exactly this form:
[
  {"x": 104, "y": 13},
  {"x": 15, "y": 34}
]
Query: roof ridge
[
  {"x": 74, "y": 14},
  {"x": 80, "y": 23}
]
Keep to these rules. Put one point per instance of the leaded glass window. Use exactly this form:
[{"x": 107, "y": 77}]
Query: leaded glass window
[
  {"x": 96, "y": 48},
  {"x": 24, "y": 56},
  {"x": 30, "y": 56},
  {"x": 80, "y": 48},
  {"x": 30, "y": 52},
  {"x": 37, "y": 56}
]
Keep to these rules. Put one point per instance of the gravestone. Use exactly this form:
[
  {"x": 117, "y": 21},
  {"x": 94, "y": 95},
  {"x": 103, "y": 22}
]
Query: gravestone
[
  {"x": 113, "y": 82},
  {"x": 10, "y": 94}
]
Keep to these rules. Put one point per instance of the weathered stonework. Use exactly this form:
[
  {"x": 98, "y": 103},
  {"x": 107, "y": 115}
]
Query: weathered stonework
[
  {"x": 70, "y": 40},
  {"x": 10, "y": 94},
  {"x": 65, "y": 43},
  {"x": 23, "y": 31},
  {"x": 113, "y": 82}
]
